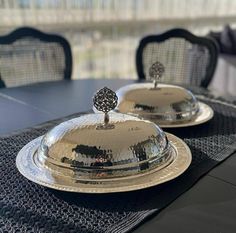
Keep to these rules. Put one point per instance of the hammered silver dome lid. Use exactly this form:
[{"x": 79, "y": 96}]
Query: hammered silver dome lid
[
  {"x": 104, "y": 145},
  {"x": 164, "y": 104}
]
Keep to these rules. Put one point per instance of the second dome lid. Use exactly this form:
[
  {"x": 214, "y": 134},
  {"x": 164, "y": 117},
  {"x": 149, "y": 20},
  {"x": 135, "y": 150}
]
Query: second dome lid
[{"x": 166, "y": 103}]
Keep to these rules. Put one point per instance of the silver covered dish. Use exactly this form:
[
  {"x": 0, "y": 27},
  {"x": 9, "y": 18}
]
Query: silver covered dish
[
  {"x": 166, "y": 105},
  {"x": 104, "y": 152}
]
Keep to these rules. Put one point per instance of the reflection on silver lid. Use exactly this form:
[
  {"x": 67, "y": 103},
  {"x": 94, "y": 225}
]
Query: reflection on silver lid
[
  {"x": 165, "y": 104},
  {"x": 104, "y": 145},
  {"x": 79, "y": 148}
]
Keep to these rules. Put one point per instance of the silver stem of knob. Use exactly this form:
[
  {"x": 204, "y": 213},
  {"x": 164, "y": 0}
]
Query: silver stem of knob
[
  {"x": 155, "y": 83},
  {"x": 106, "y": 118}
]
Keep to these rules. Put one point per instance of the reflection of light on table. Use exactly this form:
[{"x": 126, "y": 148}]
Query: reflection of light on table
[{"x": 224, "y": 80}]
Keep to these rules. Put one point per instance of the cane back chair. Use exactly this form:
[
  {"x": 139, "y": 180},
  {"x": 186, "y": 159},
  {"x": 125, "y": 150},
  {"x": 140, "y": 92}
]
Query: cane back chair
[
  {"x": 28, "y": 55},
  {"x": 188, "y": 59}
]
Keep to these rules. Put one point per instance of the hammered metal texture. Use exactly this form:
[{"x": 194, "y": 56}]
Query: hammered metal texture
[
  {"x": 79, "y": 149},
  {"x": 165, "y": 105},
  {"x": 39, "y": 173},
  {"x": 204, "y": 114}
]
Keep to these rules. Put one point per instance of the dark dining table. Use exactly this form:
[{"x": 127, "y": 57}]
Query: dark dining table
[{"x": 209, "y": 206}]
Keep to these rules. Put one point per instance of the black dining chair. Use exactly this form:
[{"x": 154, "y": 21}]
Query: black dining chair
[
  {"x": 28, "y": 56},
  {"x": 188, "y": 59}
]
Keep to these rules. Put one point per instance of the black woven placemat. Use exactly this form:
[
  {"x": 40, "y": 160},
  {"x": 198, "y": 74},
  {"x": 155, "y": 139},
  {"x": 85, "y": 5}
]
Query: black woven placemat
[{"x": 28, "y": 207}]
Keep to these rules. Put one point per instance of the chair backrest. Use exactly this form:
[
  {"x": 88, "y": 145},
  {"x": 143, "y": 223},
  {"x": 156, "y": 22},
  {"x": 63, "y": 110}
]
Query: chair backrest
[
  {"x": 28, "y": 56},
  {"x": 188, "y": 59}
]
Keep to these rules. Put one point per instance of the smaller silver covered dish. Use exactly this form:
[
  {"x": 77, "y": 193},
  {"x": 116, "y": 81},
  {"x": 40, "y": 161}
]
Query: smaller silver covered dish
[
  {"x": 166, "y": 105},
  {"x": 104, "y": 152}
]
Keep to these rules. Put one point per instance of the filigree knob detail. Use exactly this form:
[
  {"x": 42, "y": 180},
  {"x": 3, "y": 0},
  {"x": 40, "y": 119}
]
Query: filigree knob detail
[
  {"x": 105, "y": 100},
  {"x": 156, "y": 71}
]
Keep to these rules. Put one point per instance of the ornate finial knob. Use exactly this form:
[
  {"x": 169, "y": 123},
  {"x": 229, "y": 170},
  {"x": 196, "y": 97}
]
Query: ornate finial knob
[
  {"x": 156, "y": 71},
  {"x": 105, "y": 100}
]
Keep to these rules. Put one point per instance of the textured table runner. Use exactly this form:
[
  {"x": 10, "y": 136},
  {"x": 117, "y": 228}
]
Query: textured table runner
[{"x": 28, "y": 207}]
